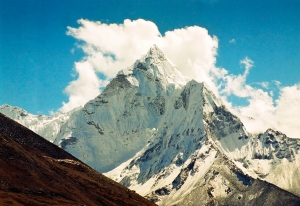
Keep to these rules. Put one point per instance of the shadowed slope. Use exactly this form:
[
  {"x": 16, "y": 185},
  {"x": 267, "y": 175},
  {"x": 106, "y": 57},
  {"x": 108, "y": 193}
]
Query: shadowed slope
[{"x": 36, "y": 172}]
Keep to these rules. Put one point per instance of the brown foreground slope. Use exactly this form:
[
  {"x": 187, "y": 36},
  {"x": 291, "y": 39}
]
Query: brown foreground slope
[{"x": 35, "y": 172}]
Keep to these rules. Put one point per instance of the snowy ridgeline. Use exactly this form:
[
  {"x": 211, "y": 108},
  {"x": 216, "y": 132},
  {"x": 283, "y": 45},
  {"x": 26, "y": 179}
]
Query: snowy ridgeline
[
  {"x": 166, "y": 136},
  {"x": 46, "y": 126}
]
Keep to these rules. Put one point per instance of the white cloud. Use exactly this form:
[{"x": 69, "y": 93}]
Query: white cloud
[
  {"x": 236, "y": 84},
  {"x": 248, "y": 65},
  {"x": 262, "y": 111},
  {"x": 232, "y": 41},
  {"x": 287, "y": 111},
  {"x": 125, "y": 42},
  {"x": 85, "y": 87},
  {"x": 278, "y": 83},
  {"x": 281, "y": 114},
  {"x": 264, "y": 84}
]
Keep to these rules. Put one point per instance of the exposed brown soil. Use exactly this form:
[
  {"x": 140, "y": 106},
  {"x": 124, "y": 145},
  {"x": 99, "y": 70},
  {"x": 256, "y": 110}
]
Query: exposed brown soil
[{"x": 35, "y": 172}]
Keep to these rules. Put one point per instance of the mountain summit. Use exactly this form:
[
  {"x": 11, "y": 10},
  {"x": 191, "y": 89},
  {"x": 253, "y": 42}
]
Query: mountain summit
[
  {"x": 119, "y": 122},
  {"x": 154, "y": 66}
]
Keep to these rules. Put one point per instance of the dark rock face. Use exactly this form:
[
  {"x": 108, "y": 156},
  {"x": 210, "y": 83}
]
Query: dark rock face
[
  {"x": 276, "y": 144},
  {"x": 70, "y": 141},
  {"x": 222, "y": 123},
  {"x": 117, "y": 84},
  {"x": 141, "y": 66},
  {"x": 162, "y": 191},
  {"x": 185, "y": 94},
  {"x": 181, "y": 178},
  {"x": 158, "y": 105},
  {"x": 150, "y": 153},
  {"x": 35, "y": 172},
  {"x": 178, "y": 103}
]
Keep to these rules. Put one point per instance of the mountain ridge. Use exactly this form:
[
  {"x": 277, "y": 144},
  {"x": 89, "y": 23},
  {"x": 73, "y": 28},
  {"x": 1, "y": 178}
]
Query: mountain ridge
[{"x": 46, "y": 126}]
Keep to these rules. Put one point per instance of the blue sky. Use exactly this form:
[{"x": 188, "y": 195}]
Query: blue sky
[{"x": 37, "y": 56}]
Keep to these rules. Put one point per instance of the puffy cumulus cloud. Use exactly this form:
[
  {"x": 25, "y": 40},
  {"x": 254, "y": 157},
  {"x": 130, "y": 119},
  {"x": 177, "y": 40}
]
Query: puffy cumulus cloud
[
  {"x": 248, "y": 65},
  {"x": 264, "y": 84},
  {"x": 262, "y": 111},
  {"x": 260, "y": 103},
  {"x": 281, "y": 114},
  {"x": 287, "y": 111},
  {"x": 112, "y": 47},
  {"x": 236, "y": 84},
  {"x": 85, "y": 87}
]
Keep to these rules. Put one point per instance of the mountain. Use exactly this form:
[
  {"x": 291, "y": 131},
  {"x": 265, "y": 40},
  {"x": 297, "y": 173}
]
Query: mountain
[
  {"x": 171, "y": 139},
  {"x": 275, "y": 158},
  {"x": 207, "y": 178},
  {"x": 35, "y": 172},
  {"x": 119, "y": 122},
  {"x": 46, "y": 126},
  {"x": 186, "y": 160}
]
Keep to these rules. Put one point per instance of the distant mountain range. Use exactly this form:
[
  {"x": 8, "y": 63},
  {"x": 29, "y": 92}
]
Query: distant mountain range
[{"x": 172, "y": 140}]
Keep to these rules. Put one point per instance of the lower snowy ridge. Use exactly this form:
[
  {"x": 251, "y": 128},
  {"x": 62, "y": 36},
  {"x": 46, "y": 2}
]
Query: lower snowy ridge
[
  {"x": 274, "y": 157},
  {"x": 207, "y": 177},
  {"x": 46, "y": 126}
]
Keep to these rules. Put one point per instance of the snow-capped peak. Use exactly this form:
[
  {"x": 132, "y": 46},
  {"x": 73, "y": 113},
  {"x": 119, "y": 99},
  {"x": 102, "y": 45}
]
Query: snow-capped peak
[
  {"x": 155, "y": 67},
  {"x": 155, "y": 52},
  {"x": 16, "y": 111}
]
